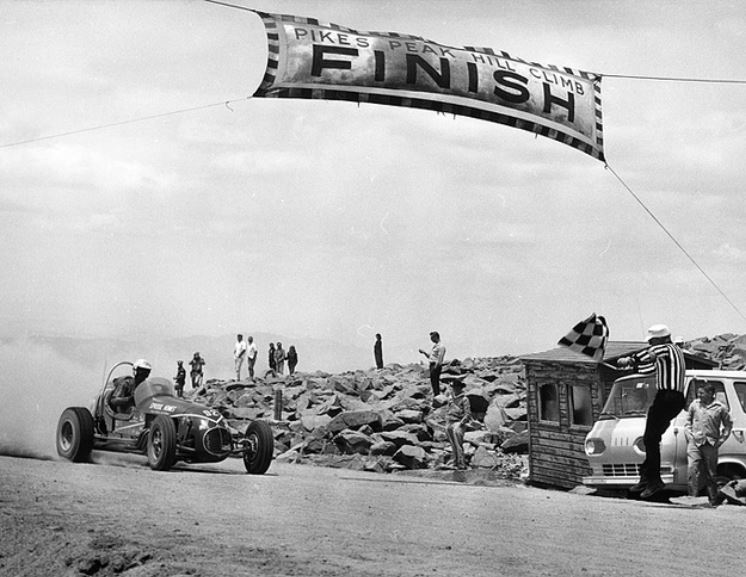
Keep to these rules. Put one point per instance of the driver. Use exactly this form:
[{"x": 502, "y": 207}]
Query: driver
[{"x": 123, "y": 399}]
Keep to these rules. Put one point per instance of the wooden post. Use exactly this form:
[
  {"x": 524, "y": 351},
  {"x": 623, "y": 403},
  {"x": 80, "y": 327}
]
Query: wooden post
[{"x": 278, "y": 404}]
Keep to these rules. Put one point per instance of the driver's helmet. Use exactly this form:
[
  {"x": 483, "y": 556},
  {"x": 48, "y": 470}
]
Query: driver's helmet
[{"x": 141, "y": 365}]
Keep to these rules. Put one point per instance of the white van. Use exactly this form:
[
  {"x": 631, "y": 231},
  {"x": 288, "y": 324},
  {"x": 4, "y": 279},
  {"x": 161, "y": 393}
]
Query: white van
[{"x": 615, "y": 448}]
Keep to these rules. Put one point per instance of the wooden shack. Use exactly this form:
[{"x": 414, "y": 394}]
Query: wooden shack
[{"x": 566, "y": 393}]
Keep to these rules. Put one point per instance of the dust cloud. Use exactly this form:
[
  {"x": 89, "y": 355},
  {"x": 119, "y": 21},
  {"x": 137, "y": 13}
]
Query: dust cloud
[{"x": 36, "y": 385}]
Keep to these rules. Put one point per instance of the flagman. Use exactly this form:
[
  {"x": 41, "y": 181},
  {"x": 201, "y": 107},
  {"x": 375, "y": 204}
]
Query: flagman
[{"x": 666, "y": 361}]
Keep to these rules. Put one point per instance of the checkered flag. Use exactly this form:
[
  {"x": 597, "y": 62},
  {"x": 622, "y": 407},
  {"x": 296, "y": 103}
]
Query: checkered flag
[{"x": 588, "y": 337}]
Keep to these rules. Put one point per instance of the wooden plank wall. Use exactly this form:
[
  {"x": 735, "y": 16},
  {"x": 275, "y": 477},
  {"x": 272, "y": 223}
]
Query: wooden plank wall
[{"x": 556, "y": 450}]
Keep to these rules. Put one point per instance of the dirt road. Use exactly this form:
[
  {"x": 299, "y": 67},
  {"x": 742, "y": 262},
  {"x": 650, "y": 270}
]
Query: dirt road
[{"x": 119, "y": 517}]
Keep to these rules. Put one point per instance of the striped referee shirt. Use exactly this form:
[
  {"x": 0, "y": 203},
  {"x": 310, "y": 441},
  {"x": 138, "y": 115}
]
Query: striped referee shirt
[{"x": 667, "y": 361}]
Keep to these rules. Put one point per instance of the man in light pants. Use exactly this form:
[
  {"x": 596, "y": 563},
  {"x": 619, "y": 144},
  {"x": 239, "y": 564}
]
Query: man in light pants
[{"x": 708, "y": 425}]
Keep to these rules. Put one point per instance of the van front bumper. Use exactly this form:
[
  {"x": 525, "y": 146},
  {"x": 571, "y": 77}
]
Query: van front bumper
[{"x": 619, "y": 481}]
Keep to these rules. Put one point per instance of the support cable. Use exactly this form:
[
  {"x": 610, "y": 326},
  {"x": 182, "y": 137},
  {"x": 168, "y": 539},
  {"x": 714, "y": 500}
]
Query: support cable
[{"x": 676, "y": 242}]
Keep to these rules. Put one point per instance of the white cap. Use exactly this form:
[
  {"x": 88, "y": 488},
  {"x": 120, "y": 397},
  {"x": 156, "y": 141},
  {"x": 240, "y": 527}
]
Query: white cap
[{"x": 657, "y": 332}]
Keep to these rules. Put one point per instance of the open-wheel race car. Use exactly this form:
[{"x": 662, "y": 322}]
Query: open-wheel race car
[{"x": 160, "y": 425}]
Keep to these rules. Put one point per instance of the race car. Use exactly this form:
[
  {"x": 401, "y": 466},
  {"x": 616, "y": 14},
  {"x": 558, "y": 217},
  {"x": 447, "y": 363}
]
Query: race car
[{"x": 160, "y": 425}]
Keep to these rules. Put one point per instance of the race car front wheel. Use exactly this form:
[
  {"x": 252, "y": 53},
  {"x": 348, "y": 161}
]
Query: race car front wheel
[
  {"x": 162, "y": 444},
  {"x": 75, "y": 434},
  {"x": 261, "y": 448}
]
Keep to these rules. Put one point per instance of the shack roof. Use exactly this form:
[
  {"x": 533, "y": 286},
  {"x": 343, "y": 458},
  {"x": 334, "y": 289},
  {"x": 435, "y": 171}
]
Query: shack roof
[{"x": 614, "y": 350}]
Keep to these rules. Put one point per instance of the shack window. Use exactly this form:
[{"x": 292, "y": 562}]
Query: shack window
[
  {"x": 549, "y": 403},
  {"x": 580, "y": 405}
]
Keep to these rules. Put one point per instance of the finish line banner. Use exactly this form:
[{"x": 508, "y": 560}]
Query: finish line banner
[{"x": 311, "y": 59}]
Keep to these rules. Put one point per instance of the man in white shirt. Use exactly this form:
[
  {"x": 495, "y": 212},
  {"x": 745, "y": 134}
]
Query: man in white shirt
[
  {"x": 435, "y": 357},
  {"x": 251, "y": 354},
  {"x": 239, "y": 352}
]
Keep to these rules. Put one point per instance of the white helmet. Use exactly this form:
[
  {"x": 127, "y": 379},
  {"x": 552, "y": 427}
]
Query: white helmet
[{"x": 142, "y": 364}]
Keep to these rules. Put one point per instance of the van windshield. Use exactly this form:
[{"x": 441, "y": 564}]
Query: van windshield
[{"x": 629, "y": 397}]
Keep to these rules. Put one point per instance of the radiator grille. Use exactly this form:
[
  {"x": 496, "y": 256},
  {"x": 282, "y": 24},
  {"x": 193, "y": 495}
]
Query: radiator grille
[
  {"x": 621, "y": 470},
  {"x": 217, "y": 441}
]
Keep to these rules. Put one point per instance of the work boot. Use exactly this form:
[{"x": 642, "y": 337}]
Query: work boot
[{"x": 652, "y": 489}]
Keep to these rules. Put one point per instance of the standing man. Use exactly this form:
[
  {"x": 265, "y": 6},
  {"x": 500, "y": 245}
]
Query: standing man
[
  {"x": 435, "y": 356},
  {"x": 251, "y": 352},
  {"x": 708, "y": 425},
  {"x": 196, "y": 373},
  {"x": 279, "y": 358},
  {"x": 239, "y": 353},
  {"x": 666, "y": 361},
  {"x": 378, "y": 351},
  {"x": 180, "y": 378}
]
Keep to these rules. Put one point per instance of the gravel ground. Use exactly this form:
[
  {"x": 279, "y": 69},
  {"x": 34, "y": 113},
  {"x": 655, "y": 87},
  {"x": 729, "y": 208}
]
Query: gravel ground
[{"x": 117, "y": 517}]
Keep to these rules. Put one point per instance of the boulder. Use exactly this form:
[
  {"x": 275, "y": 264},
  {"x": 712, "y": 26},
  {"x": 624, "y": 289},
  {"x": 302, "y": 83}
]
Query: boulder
[
  {"x": 518, "y": 443},
  {"x": 355, "y": 419},
  {"x": 495, "y": 418},
  {"x": 409, "y": 415},
  {"x": 483, "y": 458},
  {"x": 399, "y": 438},
  {"x": 349, "y": 441},
  {"x": 411, "y": 457}
]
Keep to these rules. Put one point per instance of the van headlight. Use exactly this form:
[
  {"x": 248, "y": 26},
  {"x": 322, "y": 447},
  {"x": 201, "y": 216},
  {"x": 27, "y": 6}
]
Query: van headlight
[
  {"x": 639, "y": 445},
  {"x": 594, "y": 446}
]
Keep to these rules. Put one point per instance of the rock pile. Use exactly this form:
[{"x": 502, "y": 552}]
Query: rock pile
[
  {"x": 384, "y": 420},
  {"x": 728, "y": 349}
]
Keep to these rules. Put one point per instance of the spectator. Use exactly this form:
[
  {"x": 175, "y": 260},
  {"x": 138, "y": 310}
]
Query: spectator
[
  {"x": 196, "y": 373},
  {"x": 251, "y": 354},
  {"x": 666, "y": 361},
  {"x": 279, "y": 358},
  {"x": 708, "y": 425},
  {"x": 272, "y": 361},
  {"x": 378, "y": 351},
  {"x": 435, "y": 356},
  {"x": 180, "y": 378},
  {"x": 239, "y": 353},
  {"x": 458, "y": 415},
  {"x": 292, "y": 358}
]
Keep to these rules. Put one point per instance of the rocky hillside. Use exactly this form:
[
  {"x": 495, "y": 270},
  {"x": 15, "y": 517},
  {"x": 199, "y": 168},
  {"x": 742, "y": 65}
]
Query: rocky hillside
[
  {"x": 728, "y": 349},
  {"x": 385, "y": 420}
]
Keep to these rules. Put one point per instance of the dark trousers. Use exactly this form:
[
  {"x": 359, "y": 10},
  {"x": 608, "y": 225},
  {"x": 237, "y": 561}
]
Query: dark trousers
[
  {"x": 666, "y": 405},
  {"x": 435, "y": 378}
]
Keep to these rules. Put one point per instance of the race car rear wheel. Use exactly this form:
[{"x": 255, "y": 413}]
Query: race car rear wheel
[
  {"x": 162, "y": 443},
  {"x": 262, "y": 446},
  {"x": 75, "y": 434}
]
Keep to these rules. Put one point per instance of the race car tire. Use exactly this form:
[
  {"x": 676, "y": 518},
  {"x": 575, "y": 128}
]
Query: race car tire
[
  {"x": 162, "y": 443},
  {"x": 75, "y": 434},
  {"x": 259, "y": 435}
]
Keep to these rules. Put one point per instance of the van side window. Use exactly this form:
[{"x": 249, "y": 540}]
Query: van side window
[
  {"x": 580, "y": 405},
  {"x": 719, "y": 392},
  {"x": 548, "y": 403},
  {"x": 741, "y": 394}
]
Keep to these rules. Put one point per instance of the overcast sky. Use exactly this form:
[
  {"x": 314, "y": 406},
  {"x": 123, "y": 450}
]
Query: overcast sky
[{"x": 331, "y": 220}]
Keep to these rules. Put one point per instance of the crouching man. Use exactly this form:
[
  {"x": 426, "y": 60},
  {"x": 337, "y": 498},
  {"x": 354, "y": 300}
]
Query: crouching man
[{"x": 458, "y": 415}]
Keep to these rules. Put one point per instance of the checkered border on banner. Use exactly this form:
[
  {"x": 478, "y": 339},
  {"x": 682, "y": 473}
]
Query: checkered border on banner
[{"x": 266, "y": 88}]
